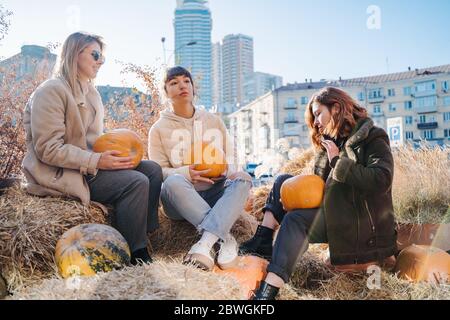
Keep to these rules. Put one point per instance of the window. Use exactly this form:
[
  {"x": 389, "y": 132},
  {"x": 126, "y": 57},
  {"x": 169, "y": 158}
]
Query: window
[
  {"x": 445, "y": 85},
  {"x": 375, "y": 93},
  {"x": 425, "y": 86},
  {"x": 391, "y": 92},
  {"x": 426, "y": 102},
  {"x": 428, "y": 134},
  {"x": 291, "y": 116},
  {"x": 408, "y": 120},
  {"x": 446, "y": 101},
  {"x": 377, "y": 109},
  {"x": 408, "y": 105},
  {"x": 446, "y": 116},
  {"x": 392, "y": 107},
  {"x": 361, "y": 96},
  {"x": 407, "y": 91},
  {"x": 409, "y": 135},
  {"x": 422, "y": 119},
  {"x": 291, "y": 103},
  {"x": 446, "y": 133},
  {"x": 304, "y": 100}
]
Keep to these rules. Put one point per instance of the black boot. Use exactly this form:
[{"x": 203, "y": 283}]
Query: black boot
[
  {"x": 265, "y": 292},
  {"x": 140, "y": 256},
  {"x": 260, "y": 244}
]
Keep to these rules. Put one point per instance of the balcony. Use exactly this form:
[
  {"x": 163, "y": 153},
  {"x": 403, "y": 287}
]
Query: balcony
[
  {"x": 377, "y": 114},
  {"x": 376, "y": 99},
  {"x": 426, "y": 109},
  {"x": 293, "y": 106},
  {"x": 291, "y": 120},
  {"x": 427, "y": 125}
]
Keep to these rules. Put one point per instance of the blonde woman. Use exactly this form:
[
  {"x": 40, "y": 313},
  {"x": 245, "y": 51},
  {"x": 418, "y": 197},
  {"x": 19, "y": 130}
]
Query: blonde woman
[
  {"x": 211, "y": 205},
  {"x": 63, "y": 118}
]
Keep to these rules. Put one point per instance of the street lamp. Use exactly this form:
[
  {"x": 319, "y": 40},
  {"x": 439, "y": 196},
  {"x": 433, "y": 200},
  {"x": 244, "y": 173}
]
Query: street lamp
[{"x": 163, "y": 40}]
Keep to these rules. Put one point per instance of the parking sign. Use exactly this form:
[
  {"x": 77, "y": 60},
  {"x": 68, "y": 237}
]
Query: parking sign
[{"x": 395, "y": 131}]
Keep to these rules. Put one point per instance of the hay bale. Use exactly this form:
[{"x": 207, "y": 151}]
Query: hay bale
[
  {"x": 157, "y": 281},
  {"x": 175, "y": 238},
  {"x": 3, "y": 288},
  {"x": 303, "y": 164},
  {"x": 29, "y": 229}
]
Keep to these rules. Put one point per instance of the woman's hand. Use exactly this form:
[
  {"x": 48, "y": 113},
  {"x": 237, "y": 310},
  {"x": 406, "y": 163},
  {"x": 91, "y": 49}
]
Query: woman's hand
[
  {"x": 196, "y": 175},
  {"x": 110, "y": 161},
  {"x": 332, "y": 149}
]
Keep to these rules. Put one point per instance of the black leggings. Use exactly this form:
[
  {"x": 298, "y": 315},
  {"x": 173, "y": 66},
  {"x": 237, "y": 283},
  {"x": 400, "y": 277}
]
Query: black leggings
[{"x": 298, "y": 228}]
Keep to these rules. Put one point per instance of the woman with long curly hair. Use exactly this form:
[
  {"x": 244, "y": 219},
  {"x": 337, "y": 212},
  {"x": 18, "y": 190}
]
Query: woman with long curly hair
[{"x": 356, "y": 218}]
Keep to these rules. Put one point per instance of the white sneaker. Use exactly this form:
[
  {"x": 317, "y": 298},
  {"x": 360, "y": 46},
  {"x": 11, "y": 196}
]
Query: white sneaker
[
  {"x": 201, "y": 255},
  {"x": 228, "y": 253}
]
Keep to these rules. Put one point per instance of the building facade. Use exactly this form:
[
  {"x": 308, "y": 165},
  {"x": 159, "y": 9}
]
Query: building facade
[
  {"x": 421, "y": 98},
  {"x": 193, "y": 24},
  {"x": 237, "y": 65},
  {"x": 259, "y": 83},
  {"x": 217, "y": 99}
]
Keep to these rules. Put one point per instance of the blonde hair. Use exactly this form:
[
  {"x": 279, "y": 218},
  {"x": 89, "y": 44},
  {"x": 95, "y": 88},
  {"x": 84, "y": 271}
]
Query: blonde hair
[{"x": 67, "y": 68}]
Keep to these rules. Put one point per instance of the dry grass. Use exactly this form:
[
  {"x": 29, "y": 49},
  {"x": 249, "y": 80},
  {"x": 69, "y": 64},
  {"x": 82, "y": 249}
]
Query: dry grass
[
  {"x": 158, "y": 281},
  {"x": 29, "y": 229},
  {"x": 168, "y": 279},
  {"x": 421, "y": 187},
  {"x": 174, "y": 238},
  {"x": 30, "y": 226}
]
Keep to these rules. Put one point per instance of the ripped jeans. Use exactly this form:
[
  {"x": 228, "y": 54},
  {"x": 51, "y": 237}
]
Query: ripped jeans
[{"x": 214, "y": 210}]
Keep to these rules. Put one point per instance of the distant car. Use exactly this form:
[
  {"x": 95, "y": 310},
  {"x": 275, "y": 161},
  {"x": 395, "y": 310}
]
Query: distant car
[
  {"x": 250, "y": 168},
  {"x": 265, "y": 178}
]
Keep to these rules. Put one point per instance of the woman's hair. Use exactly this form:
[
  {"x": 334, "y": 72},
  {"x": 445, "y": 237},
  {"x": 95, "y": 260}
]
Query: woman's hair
[
  {"x": 174, "y": 72},
  {"x": 68, "y": 60},
  {"x": 342, "y": 122}
]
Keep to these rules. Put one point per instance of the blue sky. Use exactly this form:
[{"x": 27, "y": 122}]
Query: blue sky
[{"x": 296, "y": 39}]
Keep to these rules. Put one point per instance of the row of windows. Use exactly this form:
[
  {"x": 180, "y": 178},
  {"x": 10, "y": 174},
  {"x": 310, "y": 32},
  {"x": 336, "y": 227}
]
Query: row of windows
[
  {"x": 426, "y": 134},
  {"x": 426, "y": 119},
  {"x": 426, "y": 86}
]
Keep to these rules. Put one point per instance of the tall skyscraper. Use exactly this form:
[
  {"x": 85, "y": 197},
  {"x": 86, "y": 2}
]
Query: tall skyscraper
[
  {"x": 193, "y": 23},
  {"x": 237, "y": 65},
  {"x": 217, "y": 76},
  {"x": 259, "y": 83}
]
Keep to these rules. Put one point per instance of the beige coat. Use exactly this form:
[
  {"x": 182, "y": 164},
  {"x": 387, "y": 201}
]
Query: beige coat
[
  {"x": 164, "y": 137},
  {"x": 61, "y": 128}
]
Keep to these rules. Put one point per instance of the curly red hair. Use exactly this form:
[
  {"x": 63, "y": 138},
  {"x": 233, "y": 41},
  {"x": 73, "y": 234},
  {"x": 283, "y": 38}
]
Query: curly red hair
[{"x": 342, "y": 122}]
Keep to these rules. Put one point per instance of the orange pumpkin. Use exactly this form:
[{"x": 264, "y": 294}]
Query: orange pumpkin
[
  {"x": 206, "y": 156},
  {"x": 90, "y": 248},
  {"x": 302, "y": 192},
  {"x": 126, "y": 141},
  {"x": 249, "y": 272},
  {"x": 423, "y": 263}
]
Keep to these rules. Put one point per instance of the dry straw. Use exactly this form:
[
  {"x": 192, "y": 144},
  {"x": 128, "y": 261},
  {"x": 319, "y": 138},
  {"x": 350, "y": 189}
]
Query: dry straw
[{"x": 30, "y": 227}]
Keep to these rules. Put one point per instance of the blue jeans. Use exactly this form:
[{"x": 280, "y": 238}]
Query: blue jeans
[{"x": 214, "y": 210}]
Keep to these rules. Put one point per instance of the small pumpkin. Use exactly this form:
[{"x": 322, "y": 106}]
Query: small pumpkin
[
  {"x": 126, "y": 141},
  {"x": 302, "y": 192},
  {"x": 206, "y": 156},
  {"x": 91, "y": 248},
  {"x": 249, "y": 272},
  {"x": 418, "y": 263}
]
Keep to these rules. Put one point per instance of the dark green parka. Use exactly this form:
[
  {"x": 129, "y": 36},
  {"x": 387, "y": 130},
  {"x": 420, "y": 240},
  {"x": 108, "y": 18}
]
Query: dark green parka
[{"x": 357, "y": 205}]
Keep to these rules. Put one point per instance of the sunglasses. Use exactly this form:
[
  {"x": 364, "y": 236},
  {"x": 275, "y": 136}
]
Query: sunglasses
[{"x": 97, "y": 55}]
